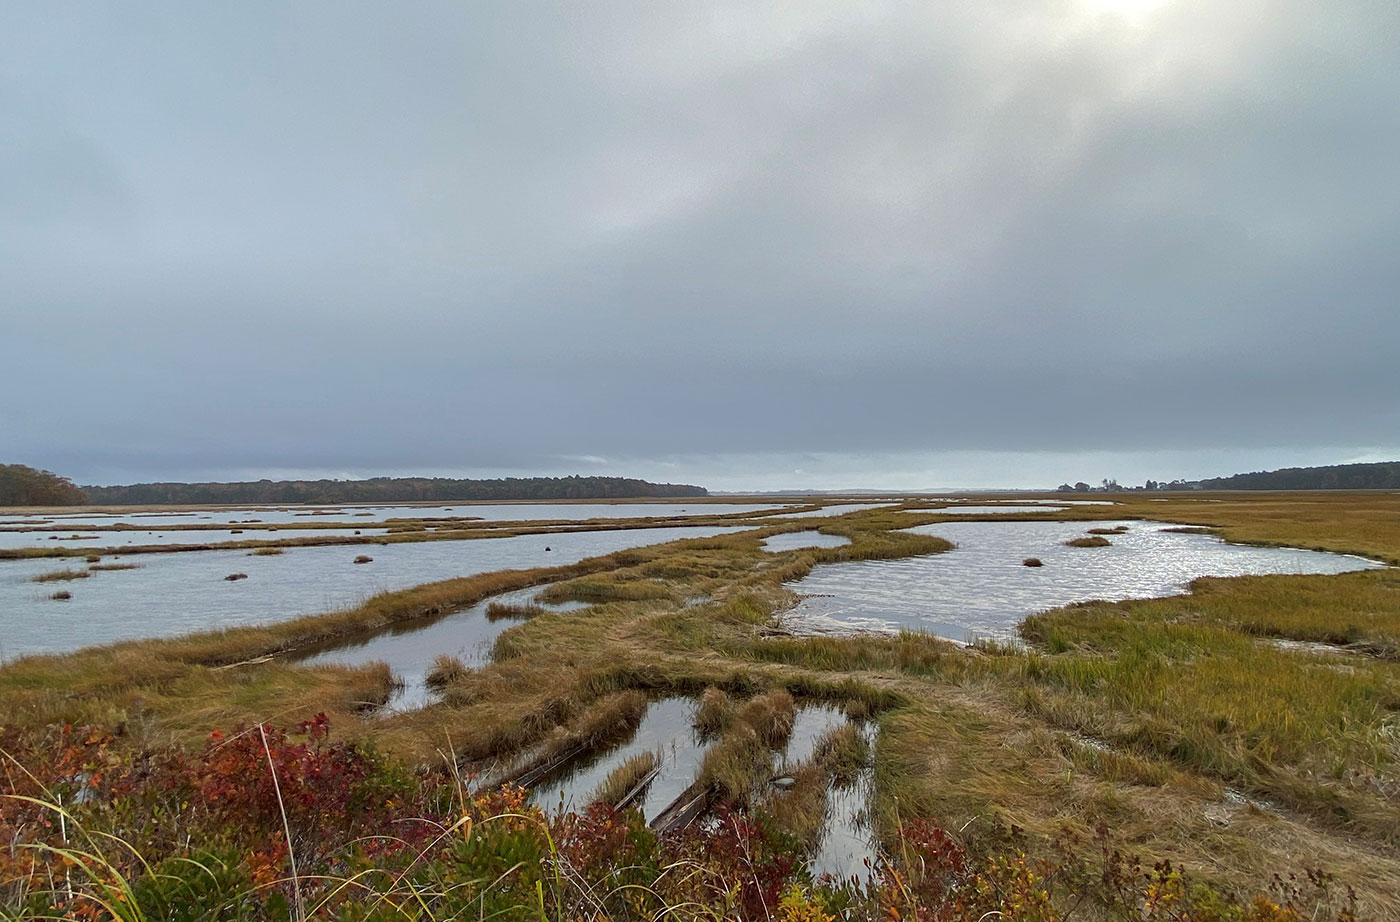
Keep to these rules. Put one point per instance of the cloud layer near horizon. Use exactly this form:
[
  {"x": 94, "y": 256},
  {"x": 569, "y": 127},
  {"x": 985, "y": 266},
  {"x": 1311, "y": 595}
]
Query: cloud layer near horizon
[{"x": 471, "y": 237}]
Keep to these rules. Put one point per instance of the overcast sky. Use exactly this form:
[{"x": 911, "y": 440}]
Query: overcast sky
[{"x": 816, "y": 244}]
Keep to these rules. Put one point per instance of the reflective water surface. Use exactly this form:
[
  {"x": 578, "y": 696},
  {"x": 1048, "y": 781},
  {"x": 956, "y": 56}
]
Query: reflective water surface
[
  {"x": 665, "y": 730},
  {"x": 490, "y": 512},
  {"x": 177, "y": 593},
  {"x": 411, "y": 648},
  {"x": 838, "y": 509},
  {"x": 981, "y": 588},
  {"x": 95, "y": 541},
  {"x": 993, "y": 510},
  {"x": 797, "y": 540}
]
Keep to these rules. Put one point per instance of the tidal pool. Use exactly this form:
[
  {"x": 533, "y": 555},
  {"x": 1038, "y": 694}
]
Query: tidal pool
[
  {"x": 847, "y": 848},
  {"x": 797, "y": 540},
  {"x": 666, "y": 730},
  {"x": 410, "y": 649},
  {"x": 981, "y": 589},
  {"x": 176, "y": 593}
]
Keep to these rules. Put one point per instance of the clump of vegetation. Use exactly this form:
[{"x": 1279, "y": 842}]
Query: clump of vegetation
[
  {"x": 1115, "y": 530},
  {"x": 1032, "y": 562},
  {"x": 266, "y": 552},
  {"x": 601, "y": 589},
  {"x": 743, "y": 757},
  {"x": 363, "y": 558},
  {"x": 235, "y": 577},
  {"x": 93, "y": 558},
  {"x": 1091, "y": 541},
  {"x": 56, "y": 576},
  {"x": 714, "y": 713},
  {"x": 622, "y": 783},
  {"x": 105, "y": 567},
  {"x": 770, "y": 715},
  {"x": 446, "y": 670},
  {"x": 505, "y": 611},
  {"x": 372, "y": 686},
  {"x": 62, "y": 595}
]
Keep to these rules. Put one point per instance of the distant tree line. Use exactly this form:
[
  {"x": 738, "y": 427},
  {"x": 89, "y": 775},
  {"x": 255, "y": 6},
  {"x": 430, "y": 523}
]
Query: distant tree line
[
  {"x": 25, "y": 486},
  {"x": 1382, "y": 475},
  {"x": 387, "y": 490},
  {"x": 1113, "y": 486}
]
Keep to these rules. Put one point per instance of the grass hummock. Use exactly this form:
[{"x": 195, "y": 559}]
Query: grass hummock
[{"x": 55, "y": 576}]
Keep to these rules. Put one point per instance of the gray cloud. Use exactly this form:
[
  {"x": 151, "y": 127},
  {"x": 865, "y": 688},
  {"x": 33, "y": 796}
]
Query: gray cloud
[{"x": 357, "y": 237}]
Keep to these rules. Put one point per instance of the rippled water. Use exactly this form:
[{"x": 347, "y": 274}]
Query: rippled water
[
  {"x": 797, "y": 540},
  {"x": 981, "y": 589},
  {"x": 181, "y": 592}
]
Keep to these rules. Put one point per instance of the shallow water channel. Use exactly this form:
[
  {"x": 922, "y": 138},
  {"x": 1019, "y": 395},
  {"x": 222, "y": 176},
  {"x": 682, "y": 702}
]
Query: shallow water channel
[
  {"x": 846, "y": 840},
  {"x": 172, "y": 594},
  {"x": 799, "y": 540},
  {"x": 981, "y": 588},
  {"x": 410, "y": 649}
]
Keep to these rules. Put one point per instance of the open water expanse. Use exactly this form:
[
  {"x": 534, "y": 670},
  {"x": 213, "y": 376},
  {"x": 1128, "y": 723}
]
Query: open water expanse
[
  {"x": 176, "y": 593},
  {"x": 97, "y": 540},
  {"x": 981, "y": 588},
  {"x": 288, "y": 515}
]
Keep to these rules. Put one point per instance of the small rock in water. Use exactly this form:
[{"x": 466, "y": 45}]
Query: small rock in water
[
  {"x": 364, "y": 558},
  {"x": 1032, "y": 562},
  {"x": 235, "y": 576},
  {"x": 547, "y": 548}
]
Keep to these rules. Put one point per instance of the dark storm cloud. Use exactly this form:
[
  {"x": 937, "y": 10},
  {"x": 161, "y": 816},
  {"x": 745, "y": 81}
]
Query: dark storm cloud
[{"x": 470, "y": 237}]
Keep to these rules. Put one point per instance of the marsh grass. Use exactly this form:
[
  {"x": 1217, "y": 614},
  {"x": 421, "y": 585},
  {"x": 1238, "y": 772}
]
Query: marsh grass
[
  {"x": 504, "y": 611},
  {"x": 62, "y": 595},
  {"x": 56, "y": 576},
  {"x": 446, "y": 670},
  {"x": 837, "y": 759},
  {"x": 622, "y": 783},
  {"x": 1090, "y": 541},
  {"x": 1137, "y": 715},
  {"x": 106, "y": 567},
  {"x": 713, "y": 714},
  {"x": 266, "y": 552},
  {"x": 606, "y": 721},
  {"x": 372, "y": 686},
  {"x": 601, "y": 589}
]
